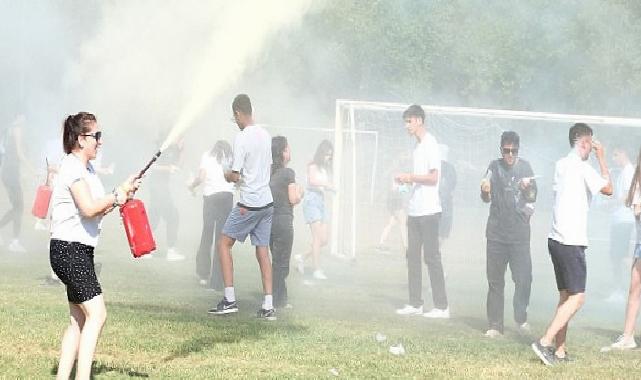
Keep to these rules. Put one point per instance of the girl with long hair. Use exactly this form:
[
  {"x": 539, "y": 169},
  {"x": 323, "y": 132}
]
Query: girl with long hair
[
  {"x": 318, "y": 184},
  {"x": 218, "y": 197},
  {"x": 626, "y": 341}
]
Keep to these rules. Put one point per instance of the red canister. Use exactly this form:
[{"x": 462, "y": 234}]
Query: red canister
[
  {"x": 136, "y": 222},
  {"x": 41, "y": 203}
]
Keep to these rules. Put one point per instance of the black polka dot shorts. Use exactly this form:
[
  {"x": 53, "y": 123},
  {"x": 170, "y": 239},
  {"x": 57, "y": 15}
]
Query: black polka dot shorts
[{"x": 72, "y": 262}]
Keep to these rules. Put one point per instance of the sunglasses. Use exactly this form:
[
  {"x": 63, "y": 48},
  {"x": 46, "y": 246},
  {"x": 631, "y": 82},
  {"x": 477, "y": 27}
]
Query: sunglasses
[
  {"x": 512, "y": 151},
  {"x": 97, "y": 135}
]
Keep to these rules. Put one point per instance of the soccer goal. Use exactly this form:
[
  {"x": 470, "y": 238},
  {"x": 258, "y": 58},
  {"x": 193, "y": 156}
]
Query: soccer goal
[{"x": 370, "y": 144}]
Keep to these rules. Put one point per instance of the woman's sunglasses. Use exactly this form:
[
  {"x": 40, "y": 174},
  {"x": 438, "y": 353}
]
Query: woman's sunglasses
[{"x": 97, "y": 135}]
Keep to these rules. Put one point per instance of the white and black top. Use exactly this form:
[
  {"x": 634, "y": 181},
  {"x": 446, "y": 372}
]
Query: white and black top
[
  {"x": 66, "y": 221},
  {"x": 575, "y": 182},
  {"x": 253, "y": 160}
]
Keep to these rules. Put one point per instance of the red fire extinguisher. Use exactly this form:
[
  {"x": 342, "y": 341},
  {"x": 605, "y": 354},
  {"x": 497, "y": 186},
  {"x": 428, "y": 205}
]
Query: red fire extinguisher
[
  {"x": 134, "y": 218},
  {"x": 43, "y": 197},
  {"x": 136, "y": 222}
]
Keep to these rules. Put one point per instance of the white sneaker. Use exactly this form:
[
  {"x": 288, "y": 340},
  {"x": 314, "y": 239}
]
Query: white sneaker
[
  {"x": 15, "y": 246},
  {"x": 319, "y": 275},
  {"x": 410, "y": 310},
  {"x": 300, "y": 264},
  {"x": 621, "y": 343},
  {"x": 525, "y": 328},
  {"x": 173, "y": 255},
  {"x": 491, "y": 333},
  {"x": 438, "y": 313}
]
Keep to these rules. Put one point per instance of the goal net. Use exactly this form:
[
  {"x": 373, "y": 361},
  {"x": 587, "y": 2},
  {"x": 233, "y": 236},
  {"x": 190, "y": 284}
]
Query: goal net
[{"x": 371, "y": 144}]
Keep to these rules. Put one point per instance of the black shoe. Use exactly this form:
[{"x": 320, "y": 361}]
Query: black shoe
[
  {"x": 224, "y": 307},
  {"x": 269, "y": 315},
  {"x": 545, "y": 353}
]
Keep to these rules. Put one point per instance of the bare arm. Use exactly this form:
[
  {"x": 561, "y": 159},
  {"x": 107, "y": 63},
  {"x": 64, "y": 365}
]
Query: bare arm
[
  {"x": 294, "y": 193},
  {"x": 90, "y": 207},
  {"x": 600, "y": 155},
  {"x": 430, "y": 179}
]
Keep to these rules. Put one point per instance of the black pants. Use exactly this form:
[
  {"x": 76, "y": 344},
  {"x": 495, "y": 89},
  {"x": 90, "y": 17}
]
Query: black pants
[
  {"x": 422, "y": 232},
  {"x": 499, "y": 255},
  {"x": 11, "y": 181},
  {"x": 163, "y": 206},
  {"x": 282, "y": 238},
  {"x": 216, "y": 208}
]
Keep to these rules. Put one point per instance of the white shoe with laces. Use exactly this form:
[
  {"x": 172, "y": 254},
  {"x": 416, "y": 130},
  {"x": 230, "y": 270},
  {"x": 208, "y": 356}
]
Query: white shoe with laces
[
  {"x": 438, "y": 313},
  {"x": 524, "y": 328},
  {"x": 491, "y": 333},
  {"x": 410, "y": 310},
  {"x": 621, "y": 343}
]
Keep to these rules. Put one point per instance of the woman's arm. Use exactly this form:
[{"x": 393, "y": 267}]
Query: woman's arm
[
  {"x": 90, "y": 208},
  {"x": 295, "y": 193}
]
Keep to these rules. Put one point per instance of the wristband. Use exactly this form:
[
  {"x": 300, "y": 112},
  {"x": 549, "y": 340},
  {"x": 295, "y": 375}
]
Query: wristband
[{"x": 115, "y": 194}]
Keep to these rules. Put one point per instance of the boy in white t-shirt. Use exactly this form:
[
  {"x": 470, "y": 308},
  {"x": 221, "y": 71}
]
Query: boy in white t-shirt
[
  {"x": 424, "y": 212},
  {"x": 252, "y": 215},
  {"x": 575, "y": 182}
]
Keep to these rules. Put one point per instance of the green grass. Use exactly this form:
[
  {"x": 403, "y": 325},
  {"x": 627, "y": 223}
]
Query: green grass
[{"x": 158, "y": 326}]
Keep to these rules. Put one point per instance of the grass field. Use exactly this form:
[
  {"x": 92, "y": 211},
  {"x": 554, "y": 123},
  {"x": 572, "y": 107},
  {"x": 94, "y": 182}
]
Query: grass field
[{"x": 158, "y": 326}]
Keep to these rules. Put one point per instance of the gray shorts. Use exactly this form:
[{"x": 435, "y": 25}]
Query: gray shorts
[{"x": 257, "y": 224}]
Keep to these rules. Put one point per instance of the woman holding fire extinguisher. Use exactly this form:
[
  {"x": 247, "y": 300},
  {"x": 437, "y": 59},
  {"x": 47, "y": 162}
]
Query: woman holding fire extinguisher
[{"x": 78, "y": 205}]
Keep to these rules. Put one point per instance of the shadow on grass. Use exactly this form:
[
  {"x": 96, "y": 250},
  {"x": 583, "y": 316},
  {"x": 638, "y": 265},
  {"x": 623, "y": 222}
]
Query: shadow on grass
[
  {"x": 233, "y": 334},
  {"x": 100, "y": 368}
]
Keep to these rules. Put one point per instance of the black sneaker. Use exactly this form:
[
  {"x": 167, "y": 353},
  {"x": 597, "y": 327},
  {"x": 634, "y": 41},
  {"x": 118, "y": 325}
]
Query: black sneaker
[
  {"x": 545, "y": 353},
  {"x": 224, "y": 307},
  {"x": 269, "y": 315}
]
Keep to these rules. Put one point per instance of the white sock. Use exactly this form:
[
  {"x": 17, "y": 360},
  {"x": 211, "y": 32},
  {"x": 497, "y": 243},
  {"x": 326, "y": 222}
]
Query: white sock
[
  {"x": 268, "y": 302},
  {"x": 230, "y": 296}
]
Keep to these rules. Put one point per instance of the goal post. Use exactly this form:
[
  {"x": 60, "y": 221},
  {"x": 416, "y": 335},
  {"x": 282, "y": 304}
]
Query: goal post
[{"x": 476, "y": 129}]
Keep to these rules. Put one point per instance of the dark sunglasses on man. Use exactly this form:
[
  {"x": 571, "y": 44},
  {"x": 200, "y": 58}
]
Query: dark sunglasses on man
[{"x": 512, "y": 151}]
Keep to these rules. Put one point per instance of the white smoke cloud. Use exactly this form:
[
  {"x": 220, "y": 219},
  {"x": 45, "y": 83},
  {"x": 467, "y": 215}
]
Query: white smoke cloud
[{"x": 169, "y": 63}]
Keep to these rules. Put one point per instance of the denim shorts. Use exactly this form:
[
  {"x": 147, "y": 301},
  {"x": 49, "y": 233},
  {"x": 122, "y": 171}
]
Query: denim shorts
[
  {"x": 255, "y": 223},
  {"x": 637, "y": 251},
  {"x": 314, "y": 207}
]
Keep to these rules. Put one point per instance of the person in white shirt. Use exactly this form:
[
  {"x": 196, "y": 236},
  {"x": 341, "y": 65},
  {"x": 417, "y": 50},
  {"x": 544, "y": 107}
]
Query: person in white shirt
[
  {"x": 77, "y": 207},
  {"x": 575, "y": 182},
  {"x": 218, "y": 199},
  {"x": 626, "y": 340},
  {"x": 424, "y": 212},
  {"x": 252, "y": 215},
  {"x": 621, "y": 221}
]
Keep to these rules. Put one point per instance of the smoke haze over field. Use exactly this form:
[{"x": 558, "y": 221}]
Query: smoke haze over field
[{"x": 146, "y": 68}]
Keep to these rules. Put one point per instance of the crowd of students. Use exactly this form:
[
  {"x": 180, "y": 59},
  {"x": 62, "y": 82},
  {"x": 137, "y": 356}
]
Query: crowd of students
[{"x": 257, "y": 167}]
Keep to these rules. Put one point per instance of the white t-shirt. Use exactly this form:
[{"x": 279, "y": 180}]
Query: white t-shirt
[
  {"x": 424, "y": 199},
  {"x": 214, "y": 181},
  {"x": 66, "y": 222},
  {"x": 253, "y": 159},
  {"x": 622, "y": 214},
  {"x": 575, "y": 182}
]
